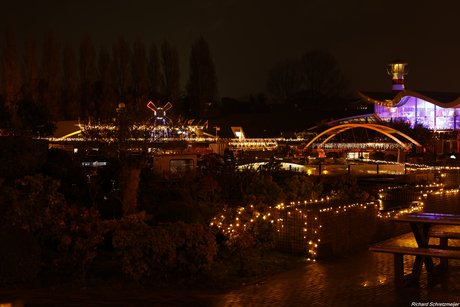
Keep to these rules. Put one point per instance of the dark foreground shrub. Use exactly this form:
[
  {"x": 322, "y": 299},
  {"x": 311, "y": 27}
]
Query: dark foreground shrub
[
  {"x": 23, "y": 156},
  {"x": 19, "y": 255},
  {"x": 178, "y": 211},
  {"x": 158, "y": 250},
  {"x": 78, "y": 232}
]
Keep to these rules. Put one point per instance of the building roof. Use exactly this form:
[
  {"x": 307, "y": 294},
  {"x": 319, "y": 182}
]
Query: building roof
[
  {"x": 391, "y": 99},
  {"x": 358, "y": 119}
]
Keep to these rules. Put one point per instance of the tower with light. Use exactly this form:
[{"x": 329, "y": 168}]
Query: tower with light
[{"x": 398, "y": 70}]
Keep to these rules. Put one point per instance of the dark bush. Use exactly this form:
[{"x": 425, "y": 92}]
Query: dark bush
[
  {"x": 178, "y": 211},
  {"x": 78, "y": 231},
  {"x": 60, "y": 166},
  {"x": 21, "y": 156},
  {"x": 159, "y": 250},
  {"x": 20, "y": 255},
  {"x": 340, "y": 187}
]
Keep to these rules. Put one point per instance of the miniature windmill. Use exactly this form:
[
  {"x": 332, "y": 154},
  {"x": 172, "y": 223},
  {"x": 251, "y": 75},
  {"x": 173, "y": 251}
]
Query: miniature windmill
[{"x": 162, "y": 122}]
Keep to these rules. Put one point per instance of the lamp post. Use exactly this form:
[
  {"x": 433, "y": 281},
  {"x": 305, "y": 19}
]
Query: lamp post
[{"x": 217, "y": 129}]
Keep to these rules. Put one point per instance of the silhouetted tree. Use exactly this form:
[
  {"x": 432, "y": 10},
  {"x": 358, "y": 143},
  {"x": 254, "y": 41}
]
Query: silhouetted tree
[
  {"x": 255, "y": 103},
  {"x": 31, "y": 70},
  {"x": 284, "y": 80},
  {"x": 10, "y": 78},
  {"x": 170, "y": 82},
  {"x": 323, "y": 81},
  {"x": 120, "y": 143},
  {"x": 70, "y": 89},
  {"x": 107, "y": 101},
  {"x": 87, "y": 73},
  {"x": 201, "y": 87},
  {"x": 139, "y": 72},
  {"x": 154, "y": 73},
  {"x": 27, "y": 119},
  {"x": 51, "y": 73},
  {"x": 121, "y": 59},
  {"x": 233, "y": 106},
  {"x": 418, "y": 131}
]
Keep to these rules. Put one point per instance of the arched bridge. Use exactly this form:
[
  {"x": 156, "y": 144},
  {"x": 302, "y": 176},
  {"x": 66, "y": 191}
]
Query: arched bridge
[{"x": 331, "y": 132}]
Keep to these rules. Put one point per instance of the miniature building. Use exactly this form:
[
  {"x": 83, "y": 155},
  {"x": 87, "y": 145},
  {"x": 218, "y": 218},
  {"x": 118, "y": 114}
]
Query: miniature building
[
  {"x": 437, "y": 111},
  {"x": 171, "y": 166}
]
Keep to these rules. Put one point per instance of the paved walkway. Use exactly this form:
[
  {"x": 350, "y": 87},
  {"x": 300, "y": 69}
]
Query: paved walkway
[{"x": 362, "y": 279}]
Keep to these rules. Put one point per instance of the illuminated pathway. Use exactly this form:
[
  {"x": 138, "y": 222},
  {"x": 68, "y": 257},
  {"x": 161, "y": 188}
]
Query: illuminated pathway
[{"x": 360, "y": 279}]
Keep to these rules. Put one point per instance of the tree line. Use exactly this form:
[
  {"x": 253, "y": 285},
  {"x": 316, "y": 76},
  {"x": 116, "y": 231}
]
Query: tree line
[
  {"x": 68, "y": 83},
  {"x": 90, "y": 83},
  {"x": 313, "y": 82}
]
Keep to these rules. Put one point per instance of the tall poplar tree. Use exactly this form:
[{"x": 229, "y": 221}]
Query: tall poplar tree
[
  {"x": 30, "y": 70},
  {"x": 202, "y": 91},
  {"x": 87, "y": 73},
  {"x": 121, "y": 60},
  {"x": 51, "y": 73},
  {"x": 170, "y": 82},
  {"x": 10, "y": 77},
  {"x": 70, "y": 90},
  {"x": 106, "y": 97},
  {"x": 154, "y": 73},
  {"x": 139, "y": 72}
]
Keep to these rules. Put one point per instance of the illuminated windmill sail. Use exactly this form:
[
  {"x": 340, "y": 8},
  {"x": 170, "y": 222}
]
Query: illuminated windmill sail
[{"x": 162, "y": 122}]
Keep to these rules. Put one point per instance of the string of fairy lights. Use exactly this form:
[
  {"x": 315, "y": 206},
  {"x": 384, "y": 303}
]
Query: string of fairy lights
[
  {"x": 309, "y": 227},
  {"x": 415, "y": 166}
]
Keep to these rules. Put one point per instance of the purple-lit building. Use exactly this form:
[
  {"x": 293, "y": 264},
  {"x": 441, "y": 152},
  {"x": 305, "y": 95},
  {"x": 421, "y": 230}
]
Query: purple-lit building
[{"x": 437, "y": 111}]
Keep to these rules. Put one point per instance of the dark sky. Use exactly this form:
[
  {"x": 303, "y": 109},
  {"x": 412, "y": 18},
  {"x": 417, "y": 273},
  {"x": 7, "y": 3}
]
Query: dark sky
[{"x": 247, "y": 38}]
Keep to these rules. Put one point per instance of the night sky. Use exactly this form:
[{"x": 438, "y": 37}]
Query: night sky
[{"x": 247, "y": 38}]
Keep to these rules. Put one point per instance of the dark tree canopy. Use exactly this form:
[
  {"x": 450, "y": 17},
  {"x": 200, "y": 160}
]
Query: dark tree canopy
[
  {"x": 121, "y": 59},
  {"x": 26, "y": 119},
  {"x": 201, "y": 87},
  {"x": 418, "y": 131},
  {"x": 87, "y": 73},
  {"x": 139, "y": 72},
  {"x": 322, "y": 76},
  {"x": 70, "y": 90},
  {"x": 51, "y": 74},
  {"x": 30, "y": 69},
  {"x": 315, "y": 82},
  {"x": 10, "y": 77},
  {"x": 154, "y": 73},
  {"x": 170, "y": 81},
  {"x": 284, "y": 80}
]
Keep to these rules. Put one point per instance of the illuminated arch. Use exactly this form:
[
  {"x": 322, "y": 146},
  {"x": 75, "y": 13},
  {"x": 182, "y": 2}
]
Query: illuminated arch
[
  {"x": 382, "y": 129},
  {"x": 70, "y": 134}
]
